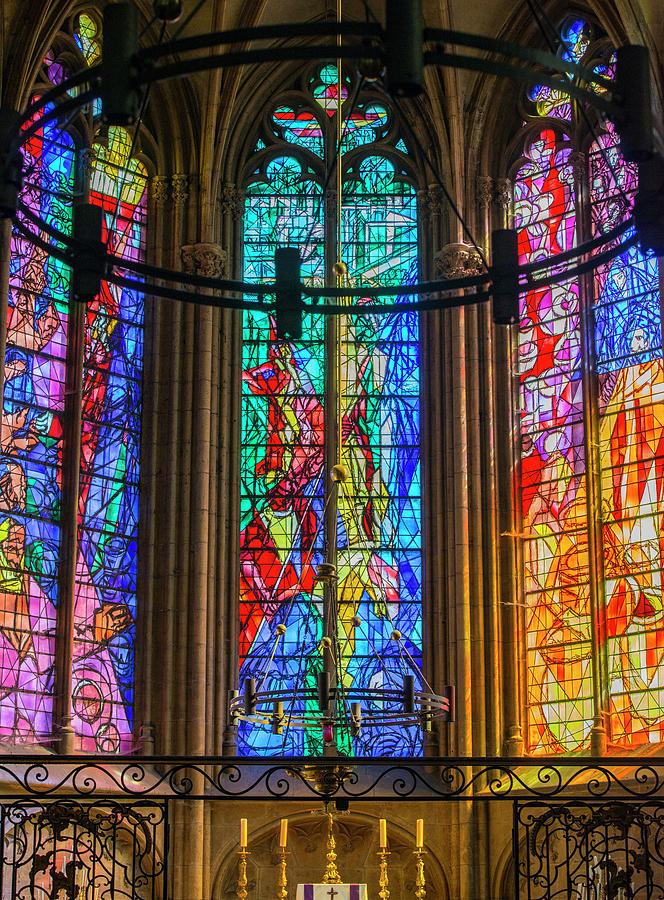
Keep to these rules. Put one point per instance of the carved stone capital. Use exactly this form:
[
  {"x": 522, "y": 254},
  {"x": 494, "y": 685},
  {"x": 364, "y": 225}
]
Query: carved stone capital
[
  {"x": 159, "y": 189},
  {"x": 457, "y": 261},
  {"x": 485, "y": 190},
  {"x": 180, "y": 188},
  {"x": 503, "y": 192},
  {"x": 577, "y": 160},
  {"x": 208, "y": 260},
  {"x": 231, "y": 201},
  {"x": 88, "y": 162},
  {"x": 434, "y": 201}
]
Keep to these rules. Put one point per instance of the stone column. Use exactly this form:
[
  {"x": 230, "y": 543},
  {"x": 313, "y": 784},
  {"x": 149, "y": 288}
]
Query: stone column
[
  {"x": 484, "y": 195},
  {"x": 458, "y": 260},
  {"x": 147, "y": 634},
  {"x": 503, "y": 625},
  {"x": 190, "y": 405},
  {"x": 227, "y": 558}
]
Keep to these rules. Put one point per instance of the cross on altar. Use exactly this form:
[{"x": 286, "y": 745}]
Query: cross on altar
[{"x": 331, "y": 892}]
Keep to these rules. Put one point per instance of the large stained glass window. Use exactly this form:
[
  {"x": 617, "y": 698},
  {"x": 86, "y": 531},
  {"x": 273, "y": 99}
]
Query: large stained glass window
[
  {"x": 592, "y": 436},
  {"x": 105, "y": 610},
  {"x": 372, "y": 360},
  {"x": 42, "y": 332}
]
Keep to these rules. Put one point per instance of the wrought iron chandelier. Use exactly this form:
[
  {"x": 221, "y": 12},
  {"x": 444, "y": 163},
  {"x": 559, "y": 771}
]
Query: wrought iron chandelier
[{"x": 404, "y": 48}]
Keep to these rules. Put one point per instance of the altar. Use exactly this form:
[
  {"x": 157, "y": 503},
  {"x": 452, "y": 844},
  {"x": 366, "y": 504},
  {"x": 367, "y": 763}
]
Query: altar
[{"x": 331, "y": 892}]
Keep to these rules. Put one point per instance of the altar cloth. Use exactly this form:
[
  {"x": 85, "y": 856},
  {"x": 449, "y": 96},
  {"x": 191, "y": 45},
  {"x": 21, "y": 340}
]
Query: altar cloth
[{"x": 331, "y": 892}]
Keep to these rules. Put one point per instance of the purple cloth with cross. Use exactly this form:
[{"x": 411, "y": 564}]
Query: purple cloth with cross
[{"x": 331, "y": 892}]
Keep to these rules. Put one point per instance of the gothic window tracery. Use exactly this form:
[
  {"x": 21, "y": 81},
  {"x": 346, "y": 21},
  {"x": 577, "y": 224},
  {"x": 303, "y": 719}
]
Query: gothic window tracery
[{"x": 287, "y": 409}]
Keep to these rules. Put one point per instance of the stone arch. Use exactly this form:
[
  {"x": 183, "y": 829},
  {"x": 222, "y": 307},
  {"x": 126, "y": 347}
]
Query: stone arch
[{"x": 356, "y": 838}]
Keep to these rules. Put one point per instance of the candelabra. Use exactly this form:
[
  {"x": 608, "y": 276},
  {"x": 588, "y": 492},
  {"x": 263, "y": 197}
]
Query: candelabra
[
  {"x": 243, "y": 853},
  {"x": 420, "y": 884},
  {"x": 282, "y": 893},
  {"x": 383, "y": 884},
  {"x": 331, "y": 872}
]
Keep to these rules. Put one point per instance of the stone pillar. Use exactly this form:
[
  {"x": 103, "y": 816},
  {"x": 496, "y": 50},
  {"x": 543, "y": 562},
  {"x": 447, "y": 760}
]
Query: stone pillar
[
  {"x": 504, "y": 733},
  {"x": 195, "y": 406},
  {"x": 147, "y": 635},
  {"x": 227, "y": 552},
  {"x": 484, "y": 195}
]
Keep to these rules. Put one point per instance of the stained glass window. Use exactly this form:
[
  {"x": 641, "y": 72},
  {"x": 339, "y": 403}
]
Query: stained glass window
[
  {"x": 286, "y": 411},
  {"x": 41, "y": 333},
  {"x": 105, "y": 611},
  {"x": 32, "y": 447},
  {"x": 563, "y": 469}
]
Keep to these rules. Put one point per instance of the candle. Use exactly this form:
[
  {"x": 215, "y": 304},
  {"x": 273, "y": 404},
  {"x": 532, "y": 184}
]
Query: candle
[
  {"x": 284, "y": 833},
  {"x": 383, "y": 834},
  {"x": 243, "y": 833},
  {"x": 420, "y": 834}
]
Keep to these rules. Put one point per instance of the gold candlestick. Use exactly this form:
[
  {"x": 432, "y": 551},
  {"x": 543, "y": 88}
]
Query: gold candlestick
[
  {"x": 282, "y": 893},
  {"x": 383, "y": 883},
  {"x": 331, "y": 875},
  {"x": 420, "y": 884},
  {"x": 243, "y": 853}
]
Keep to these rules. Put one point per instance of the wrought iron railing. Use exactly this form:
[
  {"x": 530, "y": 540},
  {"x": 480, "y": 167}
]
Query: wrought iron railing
[{"x": 439, "y": 778}]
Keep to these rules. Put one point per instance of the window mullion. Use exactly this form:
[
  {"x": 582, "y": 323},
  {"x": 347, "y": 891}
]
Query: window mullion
[
  {"x": 63, "y": 730},
  {"x": 598, "y": 644},
  {"x": 71, "y": 464}
]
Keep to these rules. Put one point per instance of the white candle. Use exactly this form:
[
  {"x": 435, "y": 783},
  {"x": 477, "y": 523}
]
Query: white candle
[
  {"x": 284, "y": 833},
  {"x": 383, "y": 834},
  {"x": 420, "y": 834},
  {"x": 243, "y": 833}
]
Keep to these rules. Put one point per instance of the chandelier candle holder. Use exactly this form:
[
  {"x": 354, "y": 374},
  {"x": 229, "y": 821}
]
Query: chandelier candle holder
[
  {"x": 383, "y": 853},
  {"x": 419, "y": 851},
  {"x": 282, "y": 893},
  {"x": 243, "y": 853}
]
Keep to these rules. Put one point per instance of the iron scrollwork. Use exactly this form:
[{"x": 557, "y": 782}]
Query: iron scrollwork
[
  {"x": 589, "y": 851},
  {"x": 69, "y": 850},
  {"x": 358, "y": 779}
]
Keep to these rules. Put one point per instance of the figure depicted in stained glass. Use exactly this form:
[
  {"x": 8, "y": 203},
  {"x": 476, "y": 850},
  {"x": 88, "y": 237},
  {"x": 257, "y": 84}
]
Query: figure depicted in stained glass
[
  {"x": 39, "y": 329},
  {"x": 557, "y": 513},
  {"x": 25, "y": 656},
  {"x": 632, "y": 437},
  {"x": 285, "y": 412},
  {"x": 105, "y": 609},
  {"x": 276, "y": 561}
]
